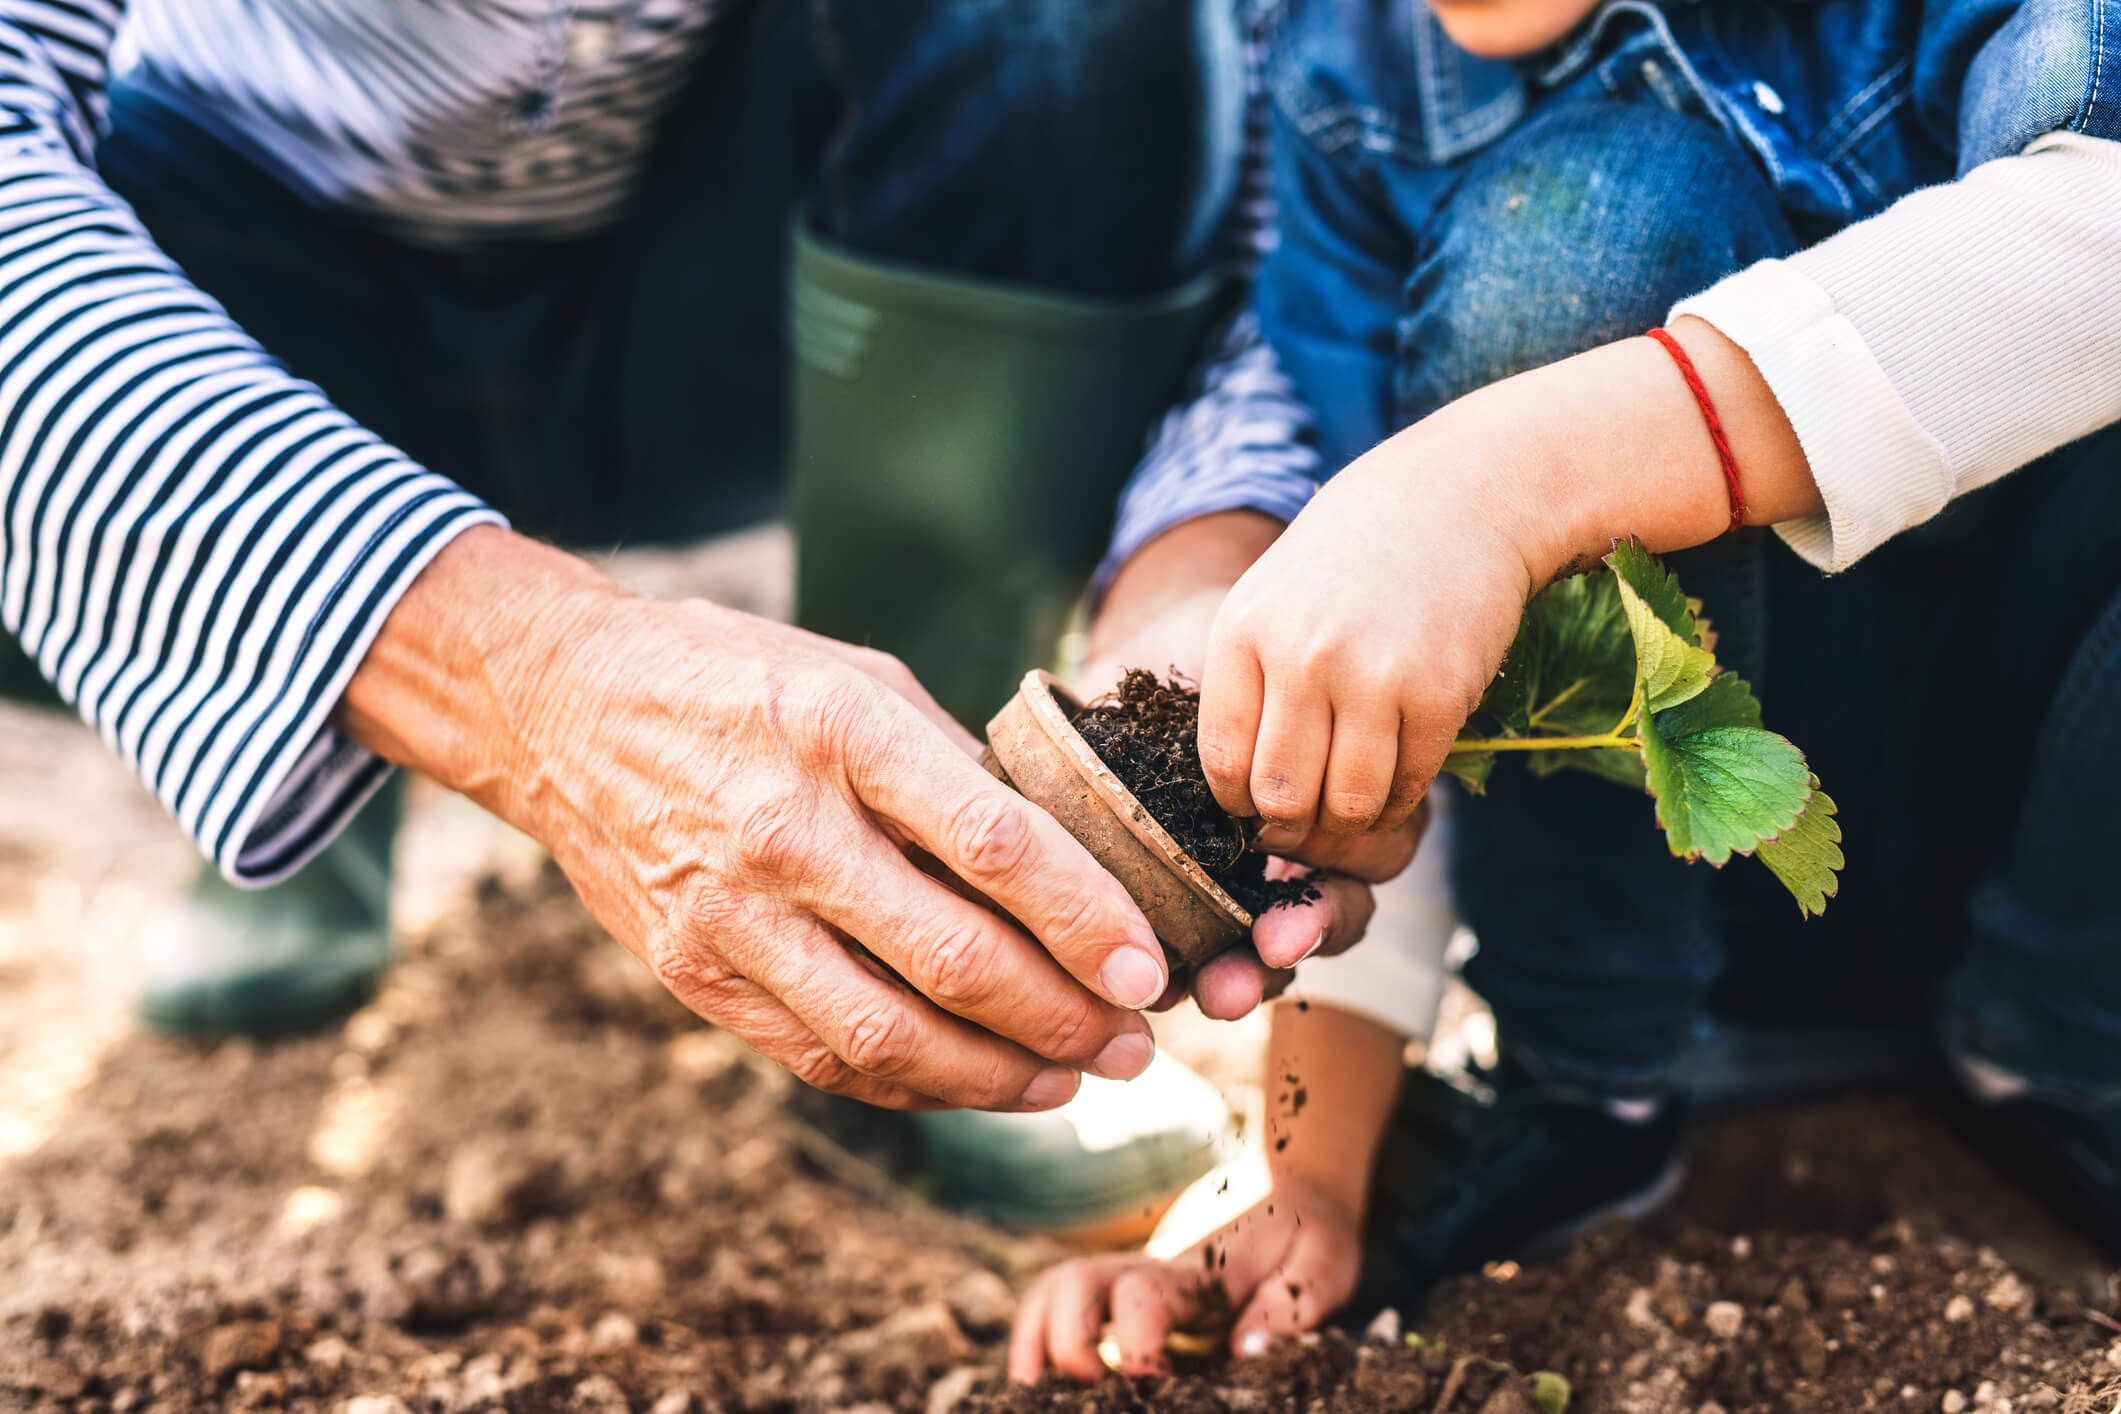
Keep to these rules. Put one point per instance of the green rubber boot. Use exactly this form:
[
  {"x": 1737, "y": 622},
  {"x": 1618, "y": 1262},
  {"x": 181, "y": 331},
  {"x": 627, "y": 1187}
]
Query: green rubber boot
[
  {"x": 295, "y": 957},
  {"x": 956, "y": 454},
  {"x": 958, "y": 448}
]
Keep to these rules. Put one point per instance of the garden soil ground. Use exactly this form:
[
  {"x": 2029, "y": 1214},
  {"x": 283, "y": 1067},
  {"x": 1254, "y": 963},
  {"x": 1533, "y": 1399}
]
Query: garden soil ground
[{"x": 521, "y": 1179}]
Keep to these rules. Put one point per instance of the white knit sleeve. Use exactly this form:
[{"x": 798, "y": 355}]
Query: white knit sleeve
[{"x": 1959, "y": 334}]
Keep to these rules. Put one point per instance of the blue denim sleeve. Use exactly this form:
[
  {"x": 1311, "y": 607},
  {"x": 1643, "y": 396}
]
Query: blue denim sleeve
[{"x": 1998, "y": 74}]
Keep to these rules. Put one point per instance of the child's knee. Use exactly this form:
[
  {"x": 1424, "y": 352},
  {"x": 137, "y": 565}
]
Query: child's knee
[{"x": 1584, "y": 226}]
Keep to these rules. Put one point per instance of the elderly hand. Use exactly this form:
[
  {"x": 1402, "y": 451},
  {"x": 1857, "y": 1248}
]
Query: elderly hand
[{"x": 787, "y": 830}]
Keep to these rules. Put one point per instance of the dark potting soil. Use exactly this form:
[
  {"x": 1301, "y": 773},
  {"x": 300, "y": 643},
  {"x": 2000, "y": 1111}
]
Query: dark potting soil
[{"x": 1147, "y": 730}]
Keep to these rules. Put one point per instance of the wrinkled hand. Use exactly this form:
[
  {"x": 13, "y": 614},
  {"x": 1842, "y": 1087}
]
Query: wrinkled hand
[
  {"x": 787, "y": 830},
  {"x": 1175, "y": 636},
  {"x": 736, "y": 800},
  {"x": 1284, "y": 1265}
]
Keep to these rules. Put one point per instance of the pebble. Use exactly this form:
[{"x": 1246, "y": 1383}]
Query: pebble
[
  {"x": 329, "y": 1353},
  {"x": 1741, "y": 1247},
  {"x": 1953, "y": 1402},
  {"x": 2008, "y": 1293},
  {"x": 1724, "y": 1319},
  {"x": 600, "y": 1394},
  {"x": 953, "y": 1389},
  {"x": 486, "y": 1185},
  {"x": 1959, "y": 1308},
  {"x": 240, "y": 1345},
  {"x": 1638, "y": 1310},
  {"x": 673, "y": 1401},
  {"x": 1384, "y": 1326},
  {"x": 614, "y": 1331},
  {"x": 1793, "y": 1296},
  {"x": 1510, "y": 1397},
  {"x": 1809, "y": 1347},
  {"x": 374, "y": 1404},
  {"x": 982, "y": 1302}
]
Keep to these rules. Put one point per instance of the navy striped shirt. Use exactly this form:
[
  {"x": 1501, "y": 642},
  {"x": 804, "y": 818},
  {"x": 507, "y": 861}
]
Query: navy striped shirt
[{"x": 196, "y": 547}]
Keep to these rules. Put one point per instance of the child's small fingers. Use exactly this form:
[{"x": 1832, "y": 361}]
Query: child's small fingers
[
  {"x": 1359, "y": 770},
  {"x": 1231, "y": 691},
  {"x": 1143, "y": 1300},
  {"x": 1424, "y": 738},
  {"x": 1289, "y": 761},
  {"x": 1027, "y": 1339},
  {"x": 1075, "y": 1316}
]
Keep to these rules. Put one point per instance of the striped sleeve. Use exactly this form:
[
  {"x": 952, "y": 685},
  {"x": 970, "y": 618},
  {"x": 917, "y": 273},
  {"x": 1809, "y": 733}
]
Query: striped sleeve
[
  {"x": 196, "y": 548},
  {"x": 1241, "y": 439}
]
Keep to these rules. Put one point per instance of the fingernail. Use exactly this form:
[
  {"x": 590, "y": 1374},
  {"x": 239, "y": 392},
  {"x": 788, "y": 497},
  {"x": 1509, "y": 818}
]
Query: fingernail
[
  {"x": 1125, "y": 1057},
  {"x": 1055, "y": 1085},
  {"x": 1313, "y": 946},
  {"x": 1132, "y": 977},
  {"x": 1253, "y": 1343}
]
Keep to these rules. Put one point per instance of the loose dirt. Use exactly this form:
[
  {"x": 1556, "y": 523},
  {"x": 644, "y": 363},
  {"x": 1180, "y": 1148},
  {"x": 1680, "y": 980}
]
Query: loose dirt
[
  {"x": 1148, "y": 732},
  {"x": 524, "y": 1179}
]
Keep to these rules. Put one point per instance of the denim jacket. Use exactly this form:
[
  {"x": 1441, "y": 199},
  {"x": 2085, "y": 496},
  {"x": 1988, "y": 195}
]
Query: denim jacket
[{"x": 1848, "y": 104}]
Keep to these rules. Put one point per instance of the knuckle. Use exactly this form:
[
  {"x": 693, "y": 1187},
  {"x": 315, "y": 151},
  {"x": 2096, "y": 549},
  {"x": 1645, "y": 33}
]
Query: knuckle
[
  {"x": 1278, "y": 797},
  {"x": 695, "y": 975},
  {"x": 1354, "y": 808},
  {"x": 1074, "y": 1034},
  {"x": 775, "y": 831},
  {"x": 1219, "y": 757},
  {"x": 820, "y": 1069},
  {"x": 880, "y": 1040},
  {"x": 956, "y": 964},
  {"x": 838, "y": 712},
  {"x": 990, "y": 834}
]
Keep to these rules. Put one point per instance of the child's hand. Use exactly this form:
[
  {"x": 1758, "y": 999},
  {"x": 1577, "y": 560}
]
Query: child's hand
[
  {"x": 1284, "y": 1266},
  {"x": 1344, "y": 662}
]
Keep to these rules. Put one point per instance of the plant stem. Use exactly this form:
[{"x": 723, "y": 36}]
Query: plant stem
[
  {"x": 1466, "y": 745},
  {"x": 1560, "y": 697}
]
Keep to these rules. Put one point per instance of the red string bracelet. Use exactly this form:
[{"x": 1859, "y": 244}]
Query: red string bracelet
[{"x": 1708, "y": 414}]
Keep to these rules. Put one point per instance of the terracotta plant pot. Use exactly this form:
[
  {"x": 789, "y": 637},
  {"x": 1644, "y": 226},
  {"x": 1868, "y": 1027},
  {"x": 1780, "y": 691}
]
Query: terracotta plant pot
[{"x": 1032, "y": 747}]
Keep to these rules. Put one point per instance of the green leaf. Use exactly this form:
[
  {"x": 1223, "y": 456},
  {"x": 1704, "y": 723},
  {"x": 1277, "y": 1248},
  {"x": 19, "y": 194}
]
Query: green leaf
[
  {"x": 1672, "y": 668},
  {"x": 1657, "y": 587},
  {"x": 1471, "y": 769},
  {"x": 1807, "y": 856},
  {"x": 1723, "y": 784},
  {"x": 1550, "y": 1391},
  {"x": 1571, "y": 670}
]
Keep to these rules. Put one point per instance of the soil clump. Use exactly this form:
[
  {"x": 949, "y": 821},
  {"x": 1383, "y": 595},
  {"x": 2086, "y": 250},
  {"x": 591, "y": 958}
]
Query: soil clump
[{"x": 1148, "y": 731}]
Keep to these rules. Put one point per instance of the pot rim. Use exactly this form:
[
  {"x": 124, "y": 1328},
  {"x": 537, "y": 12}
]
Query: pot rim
[{"x": 1045, "y": 694}]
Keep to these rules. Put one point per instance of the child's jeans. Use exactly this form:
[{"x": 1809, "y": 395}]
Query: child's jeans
[{"x": 1959, "y": 692}]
